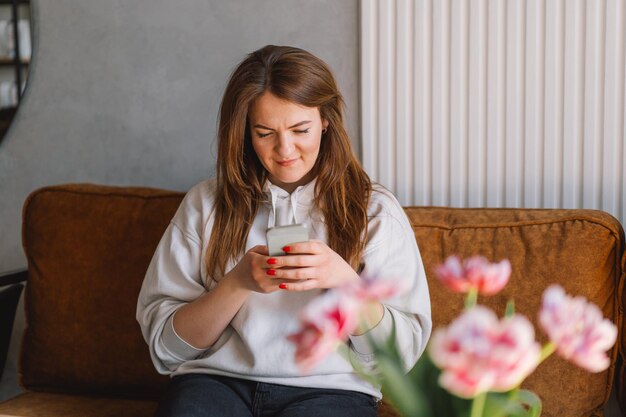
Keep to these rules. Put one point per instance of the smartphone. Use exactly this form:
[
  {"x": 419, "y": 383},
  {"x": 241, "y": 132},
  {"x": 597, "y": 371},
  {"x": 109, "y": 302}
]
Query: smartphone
[{"x": 280, "y": 236}]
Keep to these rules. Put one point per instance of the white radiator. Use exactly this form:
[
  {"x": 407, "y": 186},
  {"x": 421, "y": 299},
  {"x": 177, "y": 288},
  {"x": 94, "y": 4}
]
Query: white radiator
[{"x": 500, "y": 103}]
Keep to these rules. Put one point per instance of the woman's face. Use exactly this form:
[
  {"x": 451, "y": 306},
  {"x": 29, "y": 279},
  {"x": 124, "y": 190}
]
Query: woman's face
[{"x": 286, "y": 137}]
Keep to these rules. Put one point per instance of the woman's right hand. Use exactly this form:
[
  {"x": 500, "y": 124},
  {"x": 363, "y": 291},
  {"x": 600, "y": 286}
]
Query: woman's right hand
[{"x": 251, "y": 271}]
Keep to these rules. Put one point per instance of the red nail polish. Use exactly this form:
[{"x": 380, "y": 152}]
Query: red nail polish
[
  {"x": 272, "y": 261},
  {"x": 286, "y": 248},
  {"x": 283, "y": 286},
  {"x": 271, "y": 272}
]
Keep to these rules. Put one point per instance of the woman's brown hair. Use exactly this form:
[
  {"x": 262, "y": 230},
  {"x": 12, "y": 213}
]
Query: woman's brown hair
[{"x": 342, "y": 190}]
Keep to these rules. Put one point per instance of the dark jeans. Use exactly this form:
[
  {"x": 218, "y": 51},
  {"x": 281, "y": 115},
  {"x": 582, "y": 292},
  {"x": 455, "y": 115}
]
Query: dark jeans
[{"x": 196, "y": 395}]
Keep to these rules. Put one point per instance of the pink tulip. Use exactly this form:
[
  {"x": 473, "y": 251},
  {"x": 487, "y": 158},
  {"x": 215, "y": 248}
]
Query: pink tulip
[
  {"x": 577, "y": 328},
  {"x": 312, "y": 346},
  {"x": 331, "y": 318},
  {"x": 369, "y": 289},
  {"x": 476, "y": 272},
  {"x": 326, "y": 322},
  {"x": 479, "y": 353}
]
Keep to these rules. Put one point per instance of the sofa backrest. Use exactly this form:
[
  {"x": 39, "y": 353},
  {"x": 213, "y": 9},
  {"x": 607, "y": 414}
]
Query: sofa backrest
[
  {"x": 88, "y": 247},
  {"x": 581, "y": 250}
]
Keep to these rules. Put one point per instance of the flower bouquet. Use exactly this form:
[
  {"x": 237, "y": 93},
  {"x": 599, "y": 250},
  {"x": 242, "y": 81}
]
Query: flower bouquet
[{"x": 474, "y": 366}]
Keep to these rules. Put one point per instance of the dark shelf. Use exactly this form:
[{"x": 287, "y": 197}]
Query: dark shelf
[
  {"x": 7, "y": 112},
  {"x": 6, "y": 116},
  {"x": 18, "y": 65},
  {"x": 7, "y": 62}
]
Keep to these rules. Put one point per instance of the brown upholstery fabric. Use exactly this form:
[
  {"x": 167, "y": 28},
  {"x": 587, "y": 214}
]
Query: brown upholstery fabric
[
  {"x": 88, "y": 248},
  {"x": 41, "y": 404},
  {"x": 386, "y": 410},
  {"x": 578, "y": 249}
]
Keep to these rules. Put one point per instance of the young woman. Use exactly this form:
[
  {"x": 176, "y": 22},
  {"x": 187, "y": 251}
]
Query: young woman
[{"x": 216, "y": 310}]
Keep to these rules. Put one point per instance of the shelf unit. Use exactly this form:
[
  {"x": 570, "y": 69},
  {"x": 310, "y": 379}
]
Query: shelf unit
[{"x": 18, "y": 64}]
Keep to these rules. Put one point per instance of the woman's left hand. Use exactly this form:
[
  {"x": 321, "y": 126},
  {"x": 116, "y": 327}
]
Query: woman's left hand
[{"x": 310, "y": 265}]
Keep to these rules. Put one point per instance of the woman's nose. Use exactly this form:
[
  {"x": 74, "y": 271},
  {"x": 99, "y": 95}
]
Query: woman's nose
[{"x": 284, "y": 145}]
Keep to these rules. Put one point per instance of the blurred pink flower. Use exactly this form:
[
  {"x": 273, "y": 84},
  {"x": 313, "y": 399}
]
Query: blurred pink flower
[
  {"x": 479, "y": 353},
  {"x": 326, "y": 322},
  {"x": 329, "y": 319},
  {"x": 577, "y": 328},
  {"x": 369, "y": 289},
  {"x": 475, "y": 272}
]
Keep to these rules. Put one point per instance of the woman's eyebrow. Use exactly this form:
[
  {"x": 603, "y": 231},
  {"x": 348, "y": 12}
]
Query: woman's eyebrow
[
  {"x": 299, "y": 124},
  {"x": 290, "y": 127}
]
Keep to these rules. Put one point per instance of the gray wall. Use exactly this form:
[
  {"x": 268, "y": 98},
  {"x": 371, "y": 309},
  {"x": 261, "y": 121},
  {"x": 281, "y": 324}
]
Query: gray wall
[{"x": 127, "y": 93}]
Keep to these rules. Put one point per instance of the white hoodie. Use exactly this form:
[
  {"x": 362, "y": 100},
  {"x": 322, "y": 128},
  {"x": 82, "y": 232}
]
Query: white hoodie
[{"x": 254, "y": 345}]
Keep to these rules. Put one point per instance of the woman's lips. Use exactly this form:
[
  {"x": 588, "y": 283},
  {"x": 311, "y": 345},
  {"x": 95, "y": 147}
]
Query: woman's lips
[{"x": 287, "y": 162}]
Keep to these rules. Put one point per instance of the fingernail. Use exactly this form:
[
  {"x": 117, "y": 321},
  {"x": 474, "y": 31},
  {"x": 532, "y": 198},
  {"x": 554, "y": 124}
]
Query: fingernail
[
  {"x": 283, "y": 286},
  {"x": 271, "y": 272},
  {"x": 286, "y": 248},
  {"x": 272, "y": 261}
]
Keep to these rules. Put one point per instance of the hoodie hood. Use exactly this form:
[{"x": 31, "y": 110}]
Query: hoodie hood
[{"x": 288, "y": 208}]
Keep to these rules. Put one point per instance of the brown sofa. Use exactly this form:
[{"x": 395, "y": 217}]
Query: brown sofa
[{"x": 88, "y": 247}]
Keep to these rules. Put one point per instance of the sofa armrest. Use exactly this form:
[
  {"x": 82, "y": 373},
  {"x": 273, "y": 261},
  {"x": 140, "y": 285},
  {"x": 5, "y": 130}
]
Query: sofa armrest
[{"x": 10, "y": 290}]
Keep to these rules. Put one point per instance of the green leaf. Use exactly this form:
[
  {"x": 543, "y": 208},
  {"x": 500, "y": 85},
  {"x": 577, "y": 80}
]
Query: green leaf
[
  {"x": 397, "y": 387},
  {"x": 366, "y": 375},
  {"x": 425, "y": 375},
  {"x": 400, "y": 391},
  {"x": 363, "y": 373},
  {"x": 515, "y": 403},
  {"x": 532, "y": 401},
  {"x": 497, "y": 404}
]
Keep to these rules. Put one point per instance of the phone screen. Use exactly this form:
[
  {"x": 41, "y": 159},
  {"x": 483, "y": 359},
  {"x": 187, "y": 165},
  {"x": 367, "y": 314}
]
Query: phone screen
[{"x": 281, "y": 236}]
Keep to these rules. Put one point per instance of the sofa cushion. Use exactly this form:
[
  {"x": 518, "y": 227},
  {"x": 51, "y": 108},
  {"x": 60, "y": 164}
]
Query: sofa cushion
[
  {"x": 42, "y": 404},
  {"x": 578, "y": 249},
  {"x": 88, "y": 248}
]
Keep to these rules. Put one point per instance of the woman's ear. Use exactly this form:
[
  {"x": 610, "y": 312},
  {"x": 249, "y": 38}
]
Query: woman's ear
[{"x": 324, "y": 124}]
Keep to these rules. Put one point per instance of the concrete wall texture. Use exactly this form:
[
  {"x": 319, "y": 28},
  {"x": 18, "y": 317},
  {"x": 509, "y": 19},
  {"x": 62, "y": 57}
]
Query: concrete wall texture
[{"x": 127, "y": 93}]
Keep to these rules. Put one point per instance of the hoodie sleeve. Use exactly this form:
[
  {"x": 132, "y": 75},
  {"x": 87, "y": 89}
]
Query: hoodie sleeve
[
  {"x": 173, "y": 279},
  {"x": 392, "y": 253}
]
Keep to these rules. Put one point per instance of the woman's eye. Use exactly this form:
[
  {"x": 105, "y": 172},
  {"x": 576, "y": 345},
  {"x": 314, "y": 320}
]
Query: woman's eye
[
  {"x": 262, "y": 135},
  {"x": 302, "y": 131}
]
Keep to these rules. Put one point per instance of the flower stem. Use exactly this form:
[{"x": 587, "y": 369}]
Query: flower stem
[
  {"x": 547, "y": 350},
  {"x": 510, "y": 309},
  {"x": 478, "y": 405},
  {"x": 472, "y": 297}
]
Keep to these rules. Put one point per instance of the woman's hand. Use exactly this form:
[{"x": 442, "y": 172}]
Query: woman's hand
[
  {"x": 251, "y": 271},
  {"x": 310, "y": 265}
]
